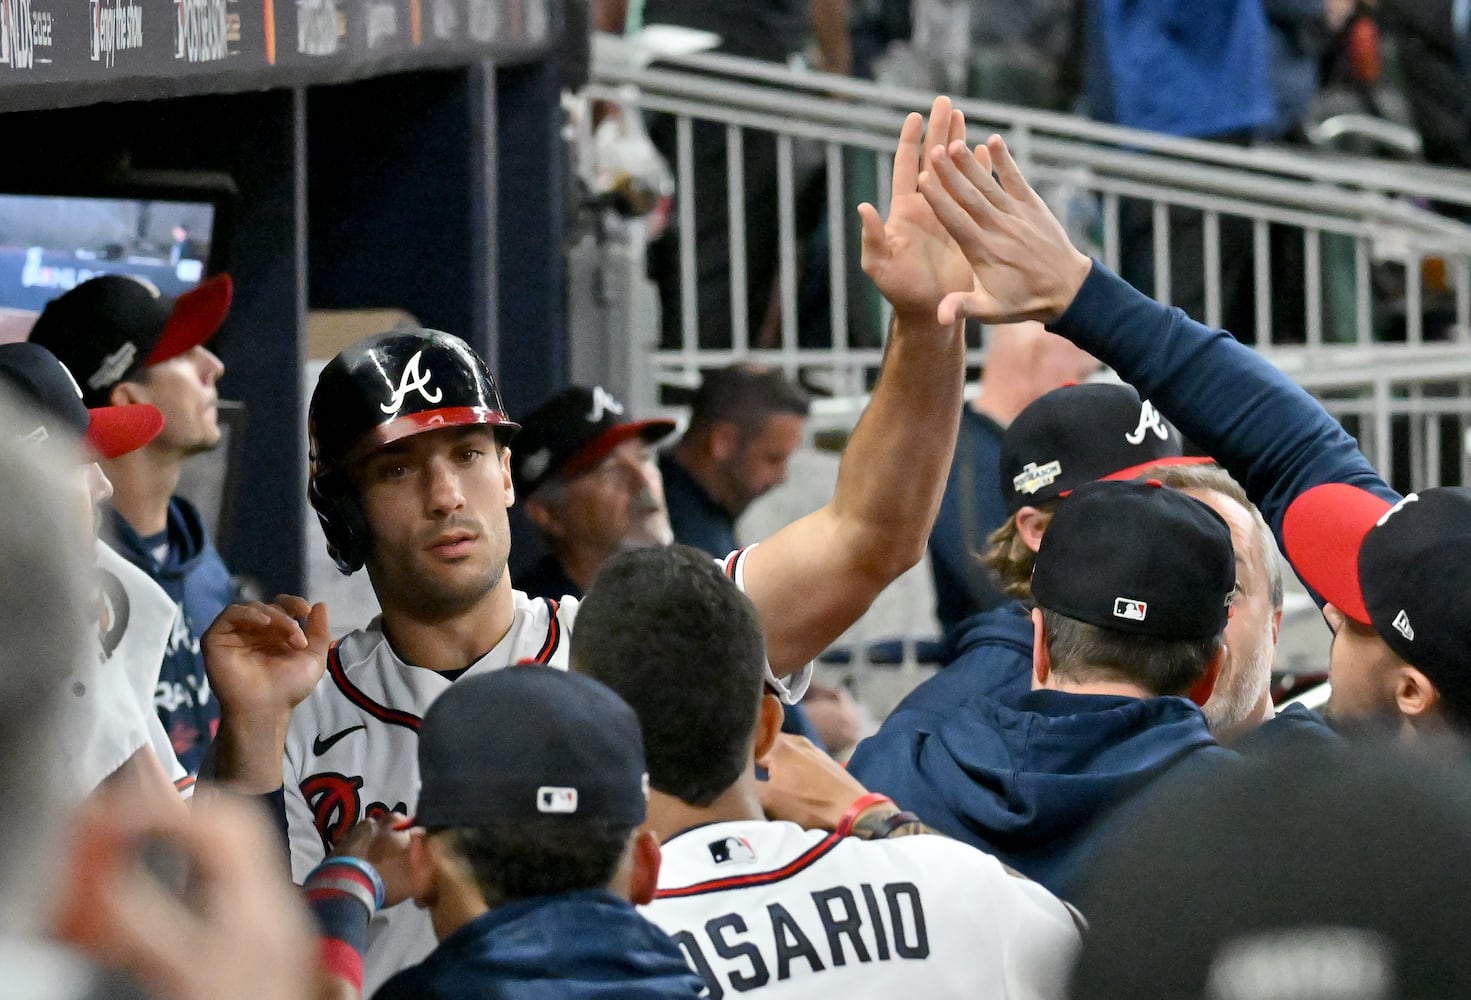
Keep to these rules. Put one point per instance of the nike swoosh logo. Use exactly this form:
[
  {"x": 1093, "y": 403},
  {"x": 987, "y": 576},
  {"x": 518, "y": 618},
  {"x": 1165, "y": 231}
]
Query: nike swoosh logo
[{"x": 321, "y": 746}]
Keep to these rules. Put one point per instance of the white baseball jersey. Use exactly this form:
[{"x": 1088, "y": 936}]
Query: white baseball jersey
[
  {"x": 788, "y": 912},
  {"x": 352, "y": 748},
  {"x": 107, "y": 712}
]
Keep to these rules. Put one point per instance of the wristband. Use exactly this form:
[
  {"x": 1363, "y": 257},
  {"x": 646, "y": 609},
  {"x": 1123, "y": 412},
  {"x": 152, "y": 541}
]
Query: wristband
[
  {"x": 375, "y": 881},
  {"x": 884, "y": 827},
  {"x": 864, "y": 801}
]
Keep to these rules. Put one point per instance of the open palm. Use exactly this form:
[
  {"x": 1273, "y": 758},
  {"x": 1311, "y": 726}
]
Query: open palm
[
  {"x": 260, "y": 659},
  {"x": 910, "y": 257}
]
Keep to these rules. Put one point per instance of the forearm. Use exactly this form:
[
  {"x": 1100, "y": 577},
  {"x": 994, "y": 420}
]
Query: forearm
[
  {"x": 893, "y": 473},
  {"x": 1273, "y": 437},
  {"x": 247, "y": 753}
]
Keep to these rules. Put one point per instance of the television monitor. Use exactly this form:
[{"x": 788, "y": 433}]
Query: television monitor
[{"x": 50, "y": 242}]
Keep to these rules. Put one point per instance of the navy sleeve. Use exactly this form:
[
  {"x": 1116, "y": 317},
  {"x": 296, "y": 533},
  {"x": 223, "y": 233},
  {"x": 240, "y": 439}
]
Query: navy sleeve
[{"x": 1274, "y": 438}]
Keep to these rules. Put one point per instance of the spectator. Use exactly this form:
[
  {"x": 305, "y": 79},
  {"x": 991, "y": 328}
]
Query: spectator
[
  {"x": 745, "y": 423},
  {"x": 1202, "y": 71},
  {"x": 1023, "y": 361},
  {"x": 129, "y": 344},
  {"x": 526, "y": 849},
  {"x": 590, "y": 486},
  {"x": 769, "y": 907}
]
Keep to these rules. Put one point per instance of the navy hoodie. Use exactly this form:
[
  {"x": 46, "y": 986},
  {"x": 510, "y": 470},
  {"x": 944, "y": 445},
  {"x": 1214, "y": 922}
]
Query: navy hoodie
[
  {"x": 195, "y": 578},
  {"x": 1029, "y": 782},
  {"x": 573, "y": 946}
]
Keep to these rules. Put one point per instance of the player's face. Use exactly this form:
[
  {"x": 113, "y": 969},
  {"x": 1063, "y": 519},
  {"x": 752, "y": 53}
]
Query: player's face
[
  {"x": 1362, "y": 670},
  {"x": 184, "y": 389},
  {"x": 1250, "y": 640},
  {"x": 436, "y": 504},
  {"x": 618, "y": 503},
  {"x": 761, "y": 462}
]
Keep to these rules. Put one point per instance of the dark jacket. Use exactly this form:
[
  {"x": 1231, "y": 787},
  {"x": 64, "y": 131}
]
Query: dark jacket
[
  {"x": 1029, "y": 783},
  {"x": 548, "y": 579},
  {"x": 195, "y": 578},
  {"x": 972, "y": 508},
  {"x": 694, "y": 516},
  {"x": 574, "y": 946}
]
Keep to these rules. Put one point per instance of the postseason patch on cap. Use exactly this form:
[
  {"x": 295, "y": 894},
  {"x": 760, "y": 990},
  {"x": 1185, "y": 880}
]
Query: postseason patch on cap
[{"x": 1034, "y": 477}]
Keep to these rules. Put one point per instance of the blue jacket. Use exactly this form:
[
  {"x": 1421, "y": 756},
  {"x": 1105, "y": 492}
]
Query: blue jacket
[
  {"x": 1274, "y": 439},
  {"x": 1200, "y": 68},
  {"x": 1029, "y": 783},
  {"x": 970, "y": 510},
  {"x": 574, "y": 946},
  {"x": 195, "y": 578},
  {"x": 694, "y": 516}
]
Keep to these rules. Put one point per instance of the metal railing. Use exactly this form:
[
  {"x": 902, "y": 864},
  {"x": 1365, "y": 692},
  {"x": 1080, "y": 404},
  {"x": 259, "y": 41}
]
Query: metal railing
[{"x": 1352, "y": 283}]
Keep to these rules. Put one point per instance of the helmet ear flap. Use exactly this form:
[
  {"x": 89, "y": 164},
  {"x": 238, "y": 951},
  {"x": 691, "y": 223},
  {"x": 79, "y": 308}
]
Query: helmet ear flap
[{"x": 342, "y": 521}]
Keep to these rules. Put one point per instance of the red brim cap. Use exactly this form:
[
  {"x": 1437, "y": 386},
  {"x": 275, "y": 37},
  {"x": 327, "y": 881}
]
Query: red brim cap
[
  {"x": 592, "y": 453},
  {"x": 1134, "y": 470},
  {"x": 197, "y": 316},
  {"x": 1324, "y": 531},
  {"x": 433, "y": 420},
  {"x": 117, "y": 430}
]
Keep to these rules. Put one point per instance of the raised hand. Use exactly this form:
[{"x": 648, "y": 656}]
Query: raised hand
[
  {"x": 909, "y": 256},
  {"x": 1022, "y": 263},
  {"x": 260, "y": 659},
  {"x": 382, "y": 842},
  {"x": 805, "y": 786},
  {"x": 261, "y": 664}
]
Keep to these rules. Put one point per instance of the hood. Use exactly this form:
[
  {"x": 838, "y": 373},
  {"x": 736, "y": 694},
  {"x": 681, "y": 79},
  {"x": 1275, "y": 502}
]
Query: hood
[
  {"x": 592, "y": 943},
  {"x": 186, "y": 532},
  {"x": 1027, "y": 782}
]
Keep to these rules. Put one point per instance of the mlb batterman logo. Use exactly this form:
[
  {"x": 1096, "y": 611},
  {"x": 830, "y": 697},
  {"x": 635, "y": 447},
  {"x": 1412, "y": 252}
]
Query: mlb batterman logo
[
  {"x": 551, "y": 799},
  {"x": 1130, "y": 609}
]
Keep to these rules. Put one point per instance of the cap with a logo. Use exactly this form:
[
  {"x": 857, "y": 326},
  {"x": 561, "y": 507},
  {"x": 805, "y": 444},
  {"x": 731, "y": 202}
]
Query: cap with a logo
[
  {"x": 530, "y": 741},
  {"x": 1079, "y": 433},
  {"x": 109, "y": 327},
  {"x": 1402, "y": 569},
  {"x": 1137, "y": 557},
  {"x": 572, "y": 432},
  {"x": 56, "y": 400}
]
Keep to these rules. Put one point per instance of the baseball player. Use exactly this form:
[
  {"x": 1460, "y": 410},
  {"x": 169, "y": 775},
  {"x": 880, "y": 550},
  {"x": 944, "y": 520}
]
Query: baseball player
[
  {"x": 1333, "y": 514},
  {"x": 772, "y": 907},
  {"x": 411, "y": 479}
]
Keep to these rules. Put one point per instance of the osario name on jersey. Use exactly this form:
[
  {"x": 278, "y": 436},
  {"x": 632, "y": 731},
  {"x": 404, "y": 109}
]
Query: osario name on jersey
[{"x": 845, "y": 924}]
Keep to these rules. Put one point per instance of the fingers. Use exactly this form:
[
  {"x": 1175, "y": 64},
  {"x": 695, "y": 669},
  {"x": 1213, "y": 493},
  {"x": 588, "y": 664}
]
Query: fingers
[
  {"x": 906, "y": 156},
  {"x": 318, "y": 631},
  {"x": 967, "y": 173},
  {"x": 940, "y": 123},
  {"x": 963, "y": 228},
  {"x": 958, "y": 305},
  {"x": 1010, "y": 175}
]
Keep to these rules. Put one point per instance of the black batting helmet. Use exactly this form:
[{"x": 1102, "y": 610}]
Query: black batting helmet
[{"x": 378, "y": 391}]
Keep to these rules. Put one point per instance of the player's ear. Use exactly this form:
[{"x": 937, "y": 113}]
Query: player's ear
[
  {"x": 1030, "y": 524},
  {"x": 1414, "y": 694},
  {"x": 1041, "y": 658},
  {"x": 643, "y": 861},
  {"x": 1200, "y": 691},
  {"x": 423, "y": 880},
  {"x": 509, "y": 483},
  {"x": 124, "y": 394},
  {"x": 543, "y": 516},
  {"x": 768, "y": 724},
  {"x": 725, "y": 440}
]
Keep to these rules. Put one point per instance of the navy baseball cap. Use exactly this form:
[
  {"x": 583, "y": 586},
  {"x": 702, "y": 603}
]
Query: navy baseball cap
[
  {"x": 526, "y": 742},
  {"x": 107, "y": 328},
  {"x": 1137, "y": 557},
  {"x": 1079, "y": 433},
  {"x": 572, "y": 432},
  {"x": 1403, "y": 569},
  {"x": 57, "y": 407}
]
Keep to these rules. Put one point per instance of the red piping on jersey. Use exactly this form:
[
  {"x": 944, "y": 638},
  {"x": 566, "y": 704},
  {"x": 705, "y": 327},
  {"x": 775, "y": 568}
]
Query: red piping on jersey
[
  {"x": 392, "y": 716},
  {"x": 554, "y": 634},
  {"x": 805, "y": 860},
  {"x": 732, "y": 561}
]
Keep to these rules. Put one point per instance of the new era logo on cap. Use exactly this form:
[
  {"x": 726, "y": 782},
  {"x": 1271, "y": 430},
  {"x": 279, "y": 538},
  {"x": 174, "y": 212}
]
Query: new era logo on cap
[
  {"x": 551, "y": 799},
  {"x": 1130, "y": 609},
  {"x": 1402, "y": 625}
]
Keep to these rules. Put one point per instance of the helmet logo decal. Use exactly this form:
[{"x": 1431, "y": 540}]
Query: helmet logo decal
[
  {"x": 412, "y": 380},
  {"x": 1149, "y": 420},
  {"x": 602, "y": 402}
]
